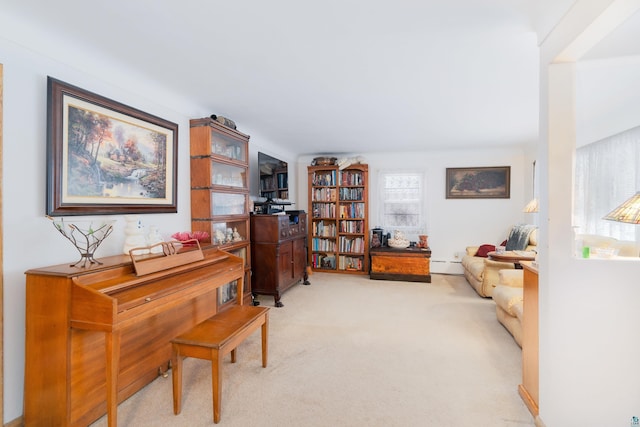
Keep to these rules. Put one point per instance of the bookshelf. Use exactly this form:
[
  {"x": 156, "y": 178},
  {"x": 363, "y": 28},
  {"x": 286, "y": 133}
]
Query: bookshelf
[{"x": 338, "y": 230}]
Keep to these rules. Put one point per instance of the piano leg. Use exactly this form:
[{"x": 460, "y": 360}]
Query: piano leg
[{"x": 112, "y": 341}]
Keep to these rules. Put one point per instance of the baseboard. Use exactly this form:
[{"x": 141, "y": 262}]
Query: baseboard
[{"x": 18, "y": 422}]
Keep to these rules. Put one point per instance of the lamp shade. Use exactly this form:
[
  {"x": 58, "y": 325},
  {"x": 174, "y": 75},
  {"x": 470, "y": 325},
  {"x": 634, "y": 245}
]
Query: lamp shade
[
  {"x": 628, "y": 211},
  {"x": 532, "y": 206}
]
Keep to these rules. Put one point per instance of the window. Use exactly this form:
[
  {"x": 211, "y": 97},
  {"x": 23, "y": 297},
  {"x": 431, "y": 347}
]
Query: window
[
  {"x": 607, "y": 173},
  {"x": 402, "y": 202}
]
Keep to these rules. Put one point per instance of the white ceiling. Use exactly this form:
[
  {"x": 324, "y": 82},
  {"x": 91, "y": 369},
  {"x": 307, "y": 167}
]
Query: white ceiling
[{"x": 336, "y": 76}]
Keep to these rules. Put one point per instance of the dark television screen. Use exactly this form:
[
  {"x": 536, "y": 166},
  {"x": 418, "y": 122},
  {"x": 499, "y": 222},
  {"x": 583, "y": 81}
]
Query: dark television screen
[{"x": 274, "y": 178}]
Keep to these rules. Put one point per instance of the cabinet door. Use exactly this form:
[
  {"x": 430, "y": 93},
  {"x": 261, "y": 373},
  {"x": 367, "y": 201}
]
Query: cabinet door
[
  {"x": 299, "y": 258},
  {"x": 285, "y": 263}
]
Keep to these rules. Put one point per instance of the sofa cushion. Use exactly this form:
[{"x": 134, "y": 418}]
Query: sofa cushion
[
  {"x": 508, "y": 298},
  {"x": 483, "y": 250}
]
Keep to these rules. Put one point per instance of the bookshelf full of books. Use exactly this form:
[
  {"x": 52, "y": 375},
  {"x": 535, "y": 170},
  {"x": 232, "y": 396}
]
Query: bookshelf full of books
[{"x": 338, "y": 230}]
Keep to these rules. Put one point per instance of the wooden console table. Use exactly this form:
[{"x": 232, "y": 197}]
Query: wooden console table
[
  {"x": 409, "y": 264},
  {"x": 529, "y": 389}
]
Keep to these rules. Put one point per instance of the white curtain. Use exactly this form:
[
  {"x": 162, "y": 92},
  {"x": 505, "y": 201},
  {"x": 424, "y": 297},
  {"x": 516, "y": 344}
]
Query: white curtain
[
  {"x": 607, "y": 173},
  {"x": 402, "y": 197}
]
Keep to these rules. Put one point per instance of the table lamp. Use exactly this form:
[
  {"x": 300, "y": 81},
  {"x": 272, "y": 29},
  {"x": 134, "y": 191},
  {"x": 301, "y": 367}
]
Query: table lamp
[
  {"x": 532, "y": 206},
  {"x": 628, "y": 211}
]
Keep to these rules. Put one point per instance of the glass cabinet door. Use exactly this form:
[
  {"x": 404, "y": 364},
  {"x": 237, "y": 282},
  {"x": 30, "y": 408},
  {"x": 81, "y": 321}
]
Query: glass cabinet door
[
  {"x": 228, "y": 204},
  {"x": 228, "y": 175},
  {"x": 226, "y": 146}
]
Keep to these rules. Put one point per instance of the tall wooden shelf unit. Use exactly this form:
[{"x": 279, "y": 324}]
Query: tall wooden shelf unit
[
  {"x": 220, "y": 193},
  {"x": 338, "y": 232}
]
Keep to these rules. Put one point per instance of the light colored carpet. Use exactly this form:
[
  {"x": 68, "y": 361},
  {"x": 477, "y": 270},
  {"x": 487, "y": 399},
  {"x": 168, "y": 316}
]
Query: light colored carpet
[{"x": 349, "y": 351}]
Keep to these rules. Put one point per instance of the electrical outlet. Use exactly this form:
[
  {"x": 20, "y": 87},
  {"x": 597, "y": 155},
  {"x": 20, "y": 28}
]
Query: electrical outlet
[{"x": 456, "y": 255}]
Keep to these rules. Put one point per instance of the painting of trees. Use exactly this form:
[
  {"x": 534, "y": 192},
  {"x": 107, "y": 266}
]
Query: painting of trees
[
  {"x": 112, "y": 158},
  {"x": 104, "y": 157}
]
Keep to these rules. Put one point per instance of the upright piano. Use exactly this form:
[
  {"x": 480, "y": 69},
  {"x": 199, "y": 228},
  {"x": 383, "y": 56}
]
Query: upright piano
[{"x": 96, "y": 335}]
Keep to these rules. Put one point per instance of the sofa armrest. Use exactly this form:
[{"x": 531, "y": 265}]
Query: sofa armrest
[
  {"x": 511, "y": 278},
  {"x": 472, "y": 250},
  {"x": 491, "y": 269}
]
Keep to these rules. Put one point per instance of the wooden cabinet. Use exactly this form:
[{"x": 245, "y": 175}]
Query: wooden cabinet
[
  {"x": 339, "y": 229},
  {"x": 220, "y": 192},
  {"x": 409, "y": 264},
  {"x": 279, "y": 253},
  {"x": 529, "y": 388}
]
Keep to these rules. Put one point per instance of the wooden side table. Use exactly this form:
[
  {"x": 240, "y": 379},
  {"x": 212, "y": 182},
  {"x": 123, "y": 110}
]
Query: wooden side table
[{"x": 409, "y": 264}]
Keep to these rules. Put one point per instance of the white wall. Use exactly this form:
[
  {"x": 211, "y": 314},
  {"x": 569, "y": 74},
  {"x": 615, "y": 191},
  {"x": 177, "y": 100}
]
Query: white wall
[
  {"x": 451, "y": 224},
  {"x": 30, "y": 239},
  {"x": 589, "y": 349},
  {"x": 607, "y": 94}
]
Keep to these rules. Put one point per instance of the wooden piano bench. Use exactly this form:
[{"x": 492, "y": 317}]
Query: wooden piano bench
[{"x": 212, "y": 340}]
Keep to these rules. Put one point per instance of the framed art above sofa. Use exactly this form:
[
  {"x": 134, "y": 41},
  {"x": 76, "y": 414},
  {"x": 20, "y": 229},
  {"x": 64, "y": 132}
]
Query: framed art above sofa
[{"x": 479, "y": 183}]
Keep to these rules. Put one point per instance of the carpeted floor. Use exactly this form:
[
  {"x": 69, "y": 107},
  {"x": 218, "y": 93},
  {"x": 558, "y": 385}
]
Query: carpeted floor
[{"x": 349, "y": 351}]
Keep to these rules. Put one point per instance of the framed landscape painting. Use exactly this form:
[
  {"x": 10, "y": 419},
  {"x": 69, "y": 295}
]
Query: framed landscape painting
[
  {"x": 478, "y": 183},
  {"x": 104, "y": 157}
]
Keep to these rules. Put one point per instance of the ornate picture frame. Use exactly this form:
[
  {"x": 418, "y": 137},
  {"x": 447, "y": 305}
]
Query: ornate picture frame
[
  {"x": 479, "y": 183},
  {"x": 106, "y": 158}
]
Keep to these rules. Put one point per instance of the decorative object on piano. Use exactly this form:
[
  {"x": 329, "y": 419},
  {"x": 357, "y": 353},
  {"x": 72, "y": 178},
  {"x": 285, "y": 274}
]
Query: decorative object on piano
[
  {"x": 153, "y": 238},
  {"x": 186, "y": 236},
  {"x": 96, "y": 164},
  {"x": 422, "y": 243},
  {"x": 398, "y": 241},
  {"x": 172, "y": 255},
  {"x": 134, "y": 234},
  {"x": 86, "y": 236}
]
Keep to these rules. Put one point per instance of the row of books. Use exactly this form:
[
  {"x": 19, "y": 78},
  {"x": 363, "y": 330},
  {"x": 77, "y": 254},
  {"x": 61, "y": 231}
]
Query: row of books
[
  {"x": 324, "y": 178},
  {"x": 352, "y": 210},
  {"x": 351, "y": 193},
  {"x": 320, "y": 244},
  {"x": 350, "y": 263},
  {"x": 352, "y": 226},
  {"x": 323, "y": 194},
  {"x": 322, "y": 229},
  {"x": 353, "y": 245},
  {"x": 351, "y": 178},
  {"x": 327, "y": 261},
  {"x": 324, "y": 210}
]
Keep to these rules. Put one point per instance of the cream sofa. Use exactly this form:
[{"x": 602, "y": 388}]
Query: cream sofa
[
  {"x": 508, "y": 296},
  {"x": 482, "y": 273}
]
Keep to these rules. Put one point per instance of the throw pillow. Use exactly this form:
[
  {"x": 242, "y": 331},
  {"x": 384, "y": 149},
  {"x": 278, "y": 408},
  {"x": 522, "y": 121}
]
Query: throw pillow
[
  {"x": 519, "y": 237},
  {"x": 483, "y": 250}
]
